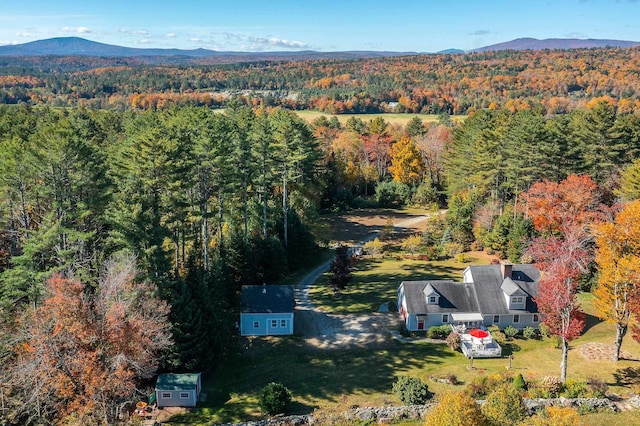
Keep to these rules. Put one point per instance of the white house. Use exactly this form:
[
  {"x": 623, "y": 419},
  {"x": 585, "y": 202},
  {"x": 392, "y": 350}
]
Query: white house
[
  {"x": 267, "y": 310},
  {"x": 178, "y": 390},
  {"x": 492, "y": 294}
]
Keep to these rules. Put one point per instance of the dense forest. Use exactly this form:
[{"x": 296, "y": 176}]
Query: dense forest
[
  {"x": 122, "y": 225},
  {"x": 558, "y": 80}
]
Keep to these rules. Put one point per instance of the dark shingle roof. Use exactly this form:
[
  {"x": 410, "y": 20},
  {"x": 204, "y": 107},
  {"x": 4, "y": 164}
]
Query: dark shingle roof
[
  {"x": 484, "y": 295},
  {"x": 488, "y": 280},
  {"x": 267, "y": 298},
  {"x": 454, "y": 297}
]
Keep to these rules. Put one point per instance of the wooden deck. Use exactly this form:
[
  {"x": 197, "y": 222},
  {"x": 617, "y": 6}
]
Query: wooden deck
[{"x": 477, "y": 348}]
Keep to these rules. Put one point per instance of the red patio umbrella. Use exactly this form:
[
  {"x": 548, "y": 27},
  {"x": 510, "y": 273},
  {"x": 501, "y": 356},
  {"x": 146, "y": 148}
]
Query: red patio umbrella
[{"x": 480, "y": 334}]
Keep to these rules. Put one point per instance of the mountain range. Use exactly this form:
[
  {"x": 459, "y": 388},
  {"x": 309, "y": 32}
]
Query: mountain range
[{"x": 75, "y": 46}]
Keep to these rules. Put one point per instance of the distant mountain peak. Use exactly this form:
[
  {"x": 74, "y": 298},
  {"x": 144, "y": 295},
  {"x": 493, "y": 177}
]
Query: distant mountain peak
[{"x": 529, "y": 43}]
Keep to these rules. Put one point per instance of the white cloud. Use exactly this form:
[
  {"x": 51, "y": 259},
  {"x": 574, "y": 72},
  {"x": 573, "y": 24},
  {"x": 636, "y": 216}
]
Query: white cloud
[
  {"x": 77, "y": 30},
  {"x": 479, "y": 33},
  {"x": 25, "y": 34},
  {"x": 144, "y": 41},
  {"x": 253, "y": 43},
  {"x": 136, "y": 32},
  {"x": 170, "y": 35},
  {"x": 6, "y": 42},
  {"x": 195, "y": 40}
]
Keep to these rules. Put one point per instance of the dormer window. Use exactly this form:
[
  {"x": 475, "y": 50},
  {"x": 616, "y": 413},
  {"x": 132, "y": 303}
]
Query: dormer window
[
  {"x": 431, "y": 295},
  {"x": 517, "y": 300}
]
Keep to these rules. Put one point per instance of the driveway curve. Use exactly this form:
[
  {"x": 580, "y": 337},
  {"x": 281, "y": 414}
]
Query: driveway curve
[{"x": 333, "y": 331}]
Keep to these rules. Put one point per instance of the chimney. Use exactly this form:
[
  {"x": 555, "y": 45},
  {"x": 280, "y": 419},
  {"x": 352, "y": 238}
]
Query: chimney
[{"x": 506, "y": 269}]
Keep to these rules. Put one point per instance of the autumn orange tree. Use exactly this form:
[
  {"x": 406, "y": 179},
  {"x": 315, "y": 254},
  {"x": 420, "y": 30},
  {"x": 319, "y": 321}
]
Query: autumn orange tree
[
  {"x": 617, "y": 295},
  {"x": 563, "y": 213},
  {"x": 82, "y": 353}
]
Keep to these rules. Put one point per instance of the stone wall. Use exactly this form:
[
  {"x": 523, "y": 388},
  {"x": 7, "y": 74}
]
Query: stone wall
[{"x": 388, "y": 414}]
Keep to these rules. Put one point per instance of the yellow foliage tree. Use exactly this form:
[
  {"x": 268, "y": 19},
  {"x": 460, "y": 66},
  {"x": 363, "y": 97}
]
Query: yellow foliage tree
[
  {"x": 455, "y": 409},
  {"x": 406, "y": 162},
  {"x": 504, "y": 406},
  {"x": 617, "y": 295},
  {"x": 555, "y": 416}
]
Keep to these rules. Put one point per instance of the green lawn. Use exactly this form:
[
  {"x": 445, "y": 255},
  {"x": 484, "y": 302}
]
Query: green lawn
[
  {"x": 391, "y": 118},
  {"x": 376, "y": 281},
  {"x": 337, "y": 379}
]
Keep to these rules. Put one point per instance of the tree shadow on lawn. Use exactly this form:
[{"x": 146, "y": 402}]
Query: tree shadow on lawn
[
  {"x": 311, "y": 374},
  {"x": 421, "y": 273},
  {"x": 509, "y": 348},
  {"x": 590, "y": 321},
  {"x": 627, "y": 376}
]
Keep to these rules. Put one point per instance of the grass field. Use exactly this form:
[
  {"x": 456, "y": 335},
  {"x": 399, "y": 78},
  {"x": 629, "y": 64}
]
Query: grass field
[
  {"x": 338, "y": 379},
  {"x": 394, "y": 119},
  {"x": 377, "y": 279}
]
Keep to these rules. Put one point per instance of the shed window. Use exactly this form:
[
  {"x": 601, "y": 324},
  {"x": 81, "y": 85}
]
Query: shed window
[
  {"x": 184, "y": 395},
  {"x": 283, "y": 323},
  {"x": 496, "y": 319},
  {"x": 445, "y": 318},
  {"x": 536, "y": 318},
  {"x": 274, "y": 323},
  {"x": 165, "y": 395},
  {"x": 256, "y": 324},
  {"x": 516, "y": 319}
]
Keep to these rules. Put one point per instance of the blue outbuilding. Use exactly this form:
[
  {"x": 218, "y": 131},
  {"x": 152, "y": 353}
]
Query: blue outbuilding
[{"x": 267, "y": 310}]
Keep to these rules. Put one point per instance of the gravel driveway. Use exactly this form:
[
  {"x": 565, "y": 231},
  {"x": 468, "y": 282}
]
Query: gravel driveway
[{"x": 333, "y": 331}]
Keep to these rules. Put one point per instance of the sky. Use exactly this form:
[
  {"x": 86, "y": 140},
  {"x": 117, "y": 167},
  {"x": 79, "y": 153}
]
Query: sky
[{"x": 321, "y": 25}]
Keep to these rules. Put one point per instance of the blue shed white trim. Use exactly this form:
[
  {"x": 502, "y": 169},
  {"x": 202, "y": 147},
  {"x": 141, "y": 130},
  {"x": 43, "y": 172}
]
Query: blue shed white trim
[{"x": 267, "y": 310}]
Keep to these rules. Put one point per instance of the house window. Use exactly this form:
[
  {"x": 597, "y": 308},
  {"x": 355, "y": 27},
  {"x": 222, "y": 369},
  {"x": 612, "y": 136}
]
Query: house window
[
  {"x": 283, "y": 323},
  {"x": 274, "y": 323},
  {"x": 517, "y": 300},
  {"x": 536, "y": 318},
  {"x": 165, "y": 395},
  {"x": 516, "y": 319},
  {"x": 445, "y": 318},
  {"x": 256, "y": 324},
  {"x": 496, "y": 319},
  {"x": 420, "y": 324},
  {"x": 432, "y": 300},
  {"x": 184, "y": 395}
]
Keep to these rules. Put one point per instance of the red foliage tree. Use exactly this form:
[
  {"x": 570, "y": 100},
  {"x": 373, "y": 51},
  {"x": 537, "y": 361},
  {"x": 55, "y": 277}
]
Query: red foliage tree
[
  {"x": 83, "y": 353},
  {"x": 561, "y": 262}
]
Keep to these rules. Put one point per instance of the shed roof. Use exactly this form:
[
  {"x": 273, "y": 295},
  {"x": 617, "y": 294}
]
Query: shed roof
[
  {"x": 177, "y": 382},
  {"x": 267, "y": 299}
]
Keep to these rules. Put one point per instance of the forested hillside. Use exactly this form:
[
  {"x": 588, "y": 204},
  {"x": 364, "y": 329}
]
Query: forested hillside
[
  {"x": 95, "y": 204},
  {"x": 556, "y": 80},
  {"x": 122, "y": 226}
]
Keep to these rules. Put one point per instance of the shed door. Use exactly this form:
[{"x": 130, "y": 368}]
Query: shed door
[{"x": 420, "y": 323}]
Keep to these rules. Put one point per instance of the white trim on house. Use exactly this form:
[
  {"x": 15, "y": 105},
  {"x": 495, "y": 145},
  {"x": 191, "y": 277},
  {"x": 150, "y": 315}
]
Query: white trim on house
[{"x": 457, "y": 317}]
